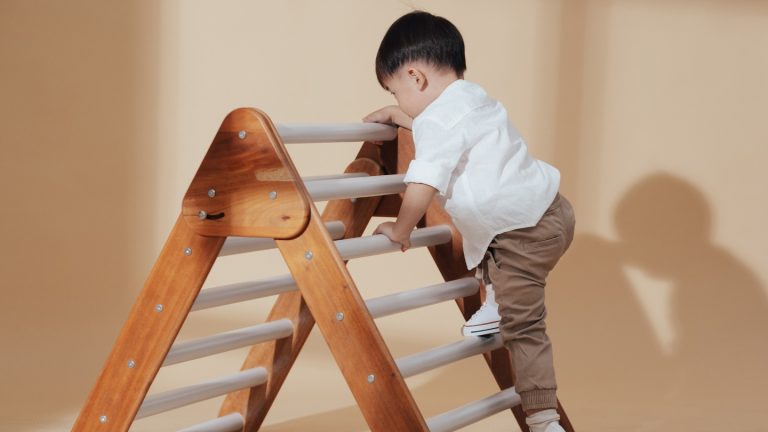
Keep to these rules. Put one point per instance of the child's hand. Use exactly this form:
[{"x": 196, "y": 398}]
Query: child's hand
[
  {"x": 388, "y": 229},
  {"x": 390, "y": 115},
  {"x": 383, "y": 115}
]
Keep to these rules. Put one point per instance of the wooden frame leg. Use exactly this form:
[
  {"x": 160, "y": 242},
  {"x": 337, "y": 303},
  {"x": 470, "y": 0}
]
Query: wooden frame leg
[
  {"x": 149, "y": 332},
  {"x": 279, "y": 356}
]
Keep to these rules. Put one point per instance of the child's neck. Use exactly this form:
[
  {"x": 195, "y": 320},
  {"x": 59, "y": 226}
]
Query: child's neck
[{"x": 438, "y": 81}]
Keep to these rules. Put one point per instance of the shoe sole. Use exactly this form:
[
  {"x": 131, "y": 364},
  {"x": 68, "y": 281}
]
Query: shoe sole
[{"x": 481, "y": 329}]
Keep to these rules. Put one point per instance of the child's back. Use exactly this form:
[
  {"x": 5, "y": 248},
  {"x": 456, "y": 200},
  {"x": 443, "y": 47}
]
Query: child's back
[
  {"x": 514, "y": 224},
  {"x": 468, "y": 150}
]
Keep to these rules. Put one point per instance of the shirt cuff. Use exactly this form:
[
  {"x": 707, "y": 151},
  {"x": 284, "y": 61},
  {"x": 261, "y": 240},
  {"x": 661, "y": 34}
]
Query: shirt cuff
[{"x": 428, "y": 173}]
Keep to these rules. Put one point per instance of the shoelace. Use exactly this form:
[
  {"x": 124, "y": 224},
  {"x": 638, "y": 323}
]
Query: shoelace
[{"x": 482, "y": 308}]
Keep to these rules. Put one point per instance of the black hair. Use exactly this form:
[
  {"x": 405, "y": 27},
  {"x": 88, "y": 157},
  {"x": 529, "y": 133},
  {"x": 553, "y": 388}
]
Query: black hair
[{"x": 420, "y": 36}]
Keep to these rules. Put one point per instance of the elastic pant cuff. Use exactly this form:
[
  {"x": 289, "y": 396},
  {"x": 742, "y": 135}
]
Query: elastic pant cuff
[{"x": 539, "y": 399}]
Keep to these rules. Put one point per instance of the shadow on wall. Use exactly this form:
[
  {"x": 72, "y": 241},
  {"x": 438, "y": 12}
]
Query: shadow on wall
[{"x": 715, "y": 368}]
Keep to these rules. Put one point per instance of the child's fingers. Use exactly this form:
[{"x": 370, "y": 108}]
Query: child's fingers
[{"x": 374, "y": 117}]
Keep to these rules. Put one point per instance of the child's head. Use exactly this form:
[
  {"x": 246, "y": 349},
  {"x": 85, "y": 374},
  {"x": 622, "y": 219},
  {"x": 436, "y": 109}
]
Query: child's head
[{"x": 418, "y": 48}]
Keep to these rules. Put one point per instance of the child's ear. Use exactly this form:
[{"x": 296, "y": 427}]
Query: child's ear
[{"x": 419, "y": 78}]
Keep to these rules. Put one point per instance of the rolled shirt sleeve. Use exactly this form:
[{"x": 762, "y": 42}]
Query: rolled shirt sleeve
[{"x": 438, "y": 151}]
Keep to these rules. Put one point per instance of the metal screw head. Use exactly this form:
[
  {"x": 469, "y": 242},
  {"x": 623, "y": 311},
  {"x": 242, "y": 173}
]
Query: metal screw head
[
  {"x": 188, "y": 251},
  {"x": 339, "y": 316},
  {"x": 158, "y": 307},
  {"x": 353, "y": 200},
  {"x": 272, "y": 195},
  {"x": 211, "y": 192},
  {"x": 242, "y": 134},
  {"x": 202, "y": 214},
  {"x": 308, "y": 255},
  {"x": 103, "y": 419},
  {"x": 371, "y": 378},
  {"x": 131, "y": 364}
]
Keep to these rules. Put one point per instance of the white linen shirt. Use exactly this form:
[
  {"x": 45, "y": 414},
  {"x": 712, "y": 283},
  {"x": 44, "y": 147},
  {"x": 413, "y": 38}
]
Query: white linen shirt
[{"x": 468, "y": 150}]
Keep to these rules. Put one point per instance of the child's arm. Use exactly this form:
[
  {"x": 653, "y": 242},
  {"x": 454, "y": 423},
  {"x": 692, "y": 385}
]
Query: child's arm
[
  {"x": 391, "y": 115},
  {"x": 415, "y": 202}
]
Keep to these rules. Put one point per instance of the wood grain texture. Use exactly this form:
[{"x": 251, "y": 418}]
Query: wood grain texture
[
  {"x": 355, "y": 341},
  {"x": 149, "y": 332},
  {"x": 279, "y": 356},
  {"x": 449, "y": 257},
  {"x": 243, "y": 172}
]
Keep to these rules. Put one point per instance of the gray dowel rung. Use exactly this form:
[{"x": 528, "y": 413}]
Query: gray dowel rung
[
  {"x": 407, "y": 300},
  {"x": 229, "y": 423},
  {"x": 180, "y": 397},
  {"x": 194, "y": 349},
  {"x": 228, "y": 294},
  {"x": 238, "y": 245},
  {"x": 295, "y": 133},
  {"x": 376, "y": 244},
  {"x": 415, "y": 364},
  {"x": 348, "y": 248},
  {"x": 334, "y": 176},
  {"x": 474, "y": 412},
  {"x": 355, "y": 187}
]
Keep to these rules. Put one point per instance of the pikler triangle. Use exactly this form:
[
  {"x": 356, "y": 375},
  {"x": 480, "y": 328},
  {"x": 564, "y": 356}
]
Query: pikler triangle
[{"x": 247, "y": 196}]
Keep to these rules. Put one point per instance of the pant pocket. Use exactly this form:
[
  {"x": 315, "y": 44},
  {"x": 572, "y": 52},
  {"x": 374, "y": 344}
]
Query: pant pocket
[{"x": 541, "y": 244}]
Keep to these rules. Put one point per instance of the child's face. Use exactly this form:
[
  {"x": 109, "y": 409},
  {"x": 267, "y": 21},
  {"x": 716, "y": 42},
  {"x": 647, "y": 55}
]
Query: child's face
[{"x": 408, "y": 87}]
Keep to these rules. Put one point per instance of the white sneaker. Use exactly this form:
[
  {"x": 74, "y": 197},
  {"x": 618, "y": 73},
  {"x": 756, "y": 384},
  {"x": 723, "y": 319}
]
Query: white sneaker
[
  {"x": 486, "y": 320},
  {"x": 544, "y": 421},
  {"x": 554, "y": 427},
  {"x": 549, "y": 427}
]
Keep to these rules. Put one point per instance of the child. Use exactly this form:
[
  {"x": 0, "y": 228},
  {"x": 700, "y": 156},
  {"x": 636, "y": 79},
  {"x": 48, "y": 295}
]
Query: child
[{"x": 515, "y": 226}]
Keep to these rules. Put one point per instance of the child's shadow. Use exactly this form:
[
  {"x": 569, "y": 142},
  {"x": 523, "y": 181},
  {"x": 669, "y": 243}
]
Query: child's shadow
[{"x": 714, "y": 366}]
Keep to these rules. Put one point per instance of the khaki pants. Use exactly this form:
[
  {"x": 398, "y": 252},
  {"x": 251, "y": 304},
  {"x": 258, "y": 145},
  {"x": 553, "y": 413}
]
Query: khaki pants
[{"x": 518, "y": 263}]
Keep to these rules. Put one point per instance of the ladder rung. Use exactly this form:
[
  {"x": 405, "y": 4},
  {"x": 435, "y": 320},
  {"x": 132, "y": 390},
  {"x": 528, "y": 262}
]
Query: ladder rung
[
  {"x": 474, "y": 412},
  {"x": 295, "y": 133},
  {"x": 237, "y": 245},
  {"x": 427, "y": 360},
  {"x": 229, "y": 423},
  {"x": 243, "y": 291},
  {"x": 348, "y": 248},
  {"x": 378, "y": 307},
  {"x": 334, "y": 176},
  {"x": 372, "y": 245},
  {"x": 194, "y": 349},
  {"x": 355, "y": 187},
  {"x": 180, "y": 397},
  {"x": 407, "y": 300}
]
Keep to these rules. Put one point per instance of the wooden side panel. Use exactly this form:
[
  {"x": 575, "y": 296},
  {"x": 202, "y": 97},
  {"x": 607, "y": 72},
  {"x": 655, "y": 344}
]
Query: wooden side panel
[
  {"x": 246, "y": 184},
  {"x": 278, "y": 357},
  {"x": 246, "y": 162},
  {"x": 275, "y": 356},
  {"x": 349, "y": 330},
  {"x": 355, "y": 214},
  {"x": 149, "y": 332}
]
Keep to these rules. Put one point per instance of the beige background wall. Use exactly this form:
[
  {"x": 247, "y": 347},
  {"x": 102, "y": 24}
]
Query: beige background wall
[{"x": 654, "y": 110}]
